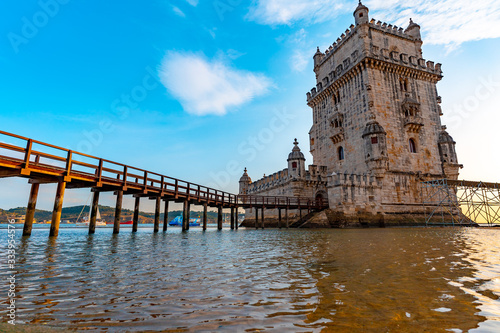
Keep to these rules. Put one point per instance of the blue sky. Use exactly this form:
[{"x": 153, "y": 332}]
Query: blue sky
[{"x": 199, "y": 89}]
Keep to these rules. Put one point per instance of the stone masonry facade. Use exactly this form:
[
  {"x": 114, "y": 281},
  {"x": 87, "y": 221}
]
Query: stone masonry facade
[{"x": 376, "y": 131}]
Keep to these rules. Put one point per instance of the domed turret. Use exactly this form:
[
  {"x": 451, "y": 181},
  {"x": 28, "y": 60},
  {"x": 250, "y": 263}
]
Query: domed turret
[
  {"x": 376, "y": 158},
  {"x": 245, "y": 180},
  {"x": 296, "y": 162},
  {"x": 444, "y": 137},
  {"x": 446, "y": 147},
  {"x": 413, "y": 30},
  {"x": 361, "y": 14},
  {"x": 318, "y": 57},
  {"x": 448, "y": 155}
]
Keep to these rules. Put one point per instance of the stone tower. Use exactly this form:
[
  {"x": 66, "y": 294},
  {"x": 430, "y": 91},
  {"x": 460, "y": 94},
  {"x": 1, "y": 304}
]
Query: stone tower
[
  {"x": 245, "y": 180},
  {"x": 376, "y": 113},
  {"x": 296, "y": 162}
]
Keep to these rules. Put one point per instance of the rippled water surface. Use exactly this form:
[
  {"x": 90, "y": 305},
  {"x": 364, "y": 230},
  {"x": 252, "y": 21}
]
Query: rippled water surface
[{"x": 380, "y": 280}]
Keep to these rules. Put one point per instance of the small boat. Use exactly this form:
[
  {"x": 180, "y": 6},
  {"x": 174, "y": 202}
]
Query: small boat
[
  {"x": 177, "y": 221},
  {"x": 121, "y": 223}
]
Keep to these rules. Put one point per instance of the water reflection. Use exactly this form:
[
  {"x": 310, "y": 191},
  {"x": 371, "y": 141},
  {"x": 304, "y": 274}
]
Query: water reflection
[{"x": 289, "y": 280}]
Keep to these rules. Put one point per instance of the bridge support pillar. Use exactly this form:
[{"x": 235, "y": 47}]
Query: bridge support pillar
[
  {"x": 136, "y": 214},
  {"x": 262, "y": 218},
  {"x": 256, "y": 218},
  {"x": 236, "y": 218},
  {"x": 30, "y": 210},
  {"x": 93, "y": 213},
  {"x": 185, "y": 216},
  {"x": 286, "y": 216},
  {"x": 157, "y": 214},
  {"x": 118, "y": 212},
  {"x": 300, "y": 213},
  {"x": 279, "y": 218},
  {"x": 219, "y": 218},
  {"x": 232, "y": 218},
  {"x": 205, "y": 206},
  {"x": 56, "y": 213},
  {"x": 165, "y": 216}
]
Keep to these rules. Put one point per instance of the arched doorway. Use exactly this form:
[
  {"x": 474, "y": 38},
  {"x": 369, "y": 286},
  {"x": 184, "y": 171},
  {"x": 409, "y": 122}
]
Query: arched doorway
[{"x": 321, "y": 198}]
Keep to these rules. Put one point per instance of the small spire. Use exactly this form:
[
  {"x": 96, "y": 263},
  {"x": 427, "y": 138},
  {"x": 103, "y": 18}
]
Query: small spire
[
  {"x": 411, "y": 21},
  {"x": 360, "y": 3},
  {"x": 245, "y": 171},
  {"x": 295, "y": 142}
]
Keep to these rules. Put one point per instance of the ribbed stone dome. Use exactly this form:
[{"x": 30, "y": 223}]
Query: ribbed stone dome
[
  {"x": 373, "y": 127},
  {"x": 444, "y": 137},
  {"x": 296, "y": 153},
  {"x": 412, "y": 25},
  {"x": 245, "y": 178},
  {"x": 360, "y": 7}
]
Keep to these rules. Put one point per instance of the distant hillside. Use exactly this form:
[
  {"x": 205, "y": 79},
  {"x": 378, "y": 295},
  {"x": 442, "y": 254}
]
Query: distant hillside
[{"x": 107, "y": 214}]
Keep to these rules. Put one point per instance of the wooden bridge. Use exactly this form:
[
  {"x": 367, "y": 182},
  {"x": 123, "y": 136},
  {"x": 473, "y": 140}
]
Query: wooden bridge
[{"x": 43, "y": 163}]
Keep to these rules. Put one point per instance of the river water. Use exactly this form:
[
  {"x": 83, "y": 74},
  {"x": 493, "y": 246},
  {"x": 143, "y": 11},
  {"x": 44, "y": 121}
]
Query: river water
[{"x": 361, "y": 280}]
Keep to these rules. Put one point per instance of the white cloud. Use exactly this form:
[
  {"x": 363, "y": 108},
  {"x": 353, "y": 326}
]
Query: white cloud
[
  {"x": 448, "y": 22},
  {"x": 178, "y": 11},
  {"x": 289, "y": 11},
  {"x": 209, "y": 87},
  {"x": 192, "y": 2},
  {"x": 300, "y": 60}
]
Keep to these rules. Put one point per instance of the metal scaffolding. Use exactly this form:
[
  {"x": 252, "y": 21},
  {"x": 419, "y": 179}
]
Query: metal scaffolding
[{"x": 461, "y": 202}]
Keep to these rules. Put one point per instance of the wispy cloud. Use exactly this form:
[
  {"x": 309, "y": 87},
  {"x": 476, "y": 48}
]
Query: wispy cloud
[
  {"x": 275, "y": 12},
  {"x": 206, "y": 86},
  {"x": 178, "y": 12},
  {"x": 192, "y": 2},
  {"x": 448, "y": 22}
]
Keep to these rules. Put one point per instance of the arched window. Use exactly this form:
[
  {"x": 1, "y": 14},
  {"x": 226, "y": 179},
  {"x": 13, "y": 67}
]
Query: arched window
[
  {"x": 341, "y": 153},
  {"x": 413, "y": 146}
]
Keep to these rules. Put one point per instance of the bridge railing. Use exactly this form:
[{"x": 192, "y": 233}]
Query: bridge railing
[
  {"x": 33, "y": 155},
  {"x": 277, "y": 201}
]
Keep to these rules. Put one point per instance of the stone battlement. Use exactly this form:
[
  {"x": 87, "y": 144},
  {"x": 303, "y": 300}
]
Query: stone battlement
[
  {"x": 384, "y": 55},
  {"x": 313, "y": 174}
]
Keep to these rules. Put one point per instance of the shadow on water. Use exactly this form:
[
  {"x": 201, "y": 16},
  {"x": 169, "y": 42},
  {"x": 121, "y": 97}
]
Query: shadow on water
[{"x": 279, "y": 280}]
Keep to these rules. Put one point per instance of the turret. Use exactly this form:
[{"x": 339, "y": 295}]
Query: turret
[
  {"x": 245, "y": 180},
  {"x": 296, "y": 162},
  {"x": 361, "y": 14},
  {"x": 413, "y": 30},
  {"x": 374, "y": 137},
  {"x": 448, "y": 154},
  {"x": 318, "y": 57}
]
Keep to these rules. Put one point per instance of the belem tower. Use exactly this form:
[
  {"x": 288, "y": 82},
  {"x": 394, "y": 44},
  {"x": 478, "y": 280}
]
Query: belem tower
[{"x": 376, "y": 132}]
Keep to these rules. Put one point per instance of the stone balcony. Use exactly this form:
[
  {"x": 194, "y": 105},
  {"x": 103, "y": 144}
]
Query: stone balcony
[
  {"x": 337, "y": 134},
  {"x": 413, "y": 124}
]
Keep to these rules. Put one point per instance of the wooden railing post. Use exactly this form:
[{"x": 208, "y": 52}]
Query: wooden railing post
[
  {"x": 69, "y": 164},
  {"x": 99, "y": 172},
  {"x": 145, "y": 181},
  {"x": 27, "y": 154},
  {"x": 125, "y": 174}
]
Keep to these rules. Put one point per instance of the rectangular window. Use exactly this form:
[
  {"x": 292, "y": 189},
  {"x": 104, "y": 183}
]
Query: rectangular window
[{"x": 374, "y": 140}]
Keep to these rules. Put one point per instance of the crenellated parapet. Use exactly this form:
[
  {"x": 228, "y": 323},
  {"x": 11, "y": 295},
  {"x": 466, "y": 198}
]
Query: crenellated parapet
[
  {"x": 416, "y": 68},
  {"x": 314, "y": 175}
]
